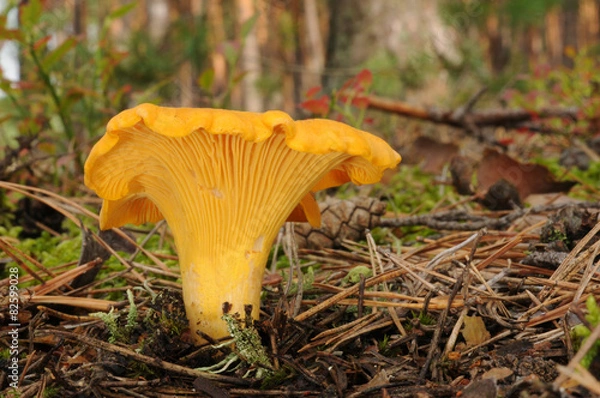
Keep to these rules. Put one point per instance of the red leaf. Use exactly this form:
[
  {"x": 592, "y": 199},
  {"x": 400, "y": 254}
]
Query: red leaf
[
  {"x": 25, "y": 85},
  {"x": 355, "y": 99},
  {"x": 360, "y": 82},
  {"x": 364, "y": 78},
  {"x": 506, "y": 141},
  {"x": 41, "y": 42},
  {"x": 312, "y": 92},
  {"x": 318, "y": 106},
  {"x": 360, "y": 102}
]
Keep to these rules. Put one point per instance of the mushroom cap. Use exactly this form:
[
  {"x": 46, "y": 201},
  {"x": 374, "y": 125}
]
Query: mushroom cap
[{"x": 368, "y": 156}]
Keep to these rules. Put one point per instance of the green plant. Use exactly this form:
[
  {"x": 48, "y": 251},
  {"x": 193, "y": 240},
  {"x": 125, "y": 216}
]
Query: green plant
[
  {"x": 348, "y": 103},
  {"x": 10, "y": 393},
  {"x": 308, "y": 278},
  {"x": 408, "y": 181},
  {"x": 576, "y": 86},
  {"x": 66, "y": 92},
  {"x": 248, "y": 346},
  {"x": 118, "y": 333},
  {"x": 5, "y": 354},
  {"x": 151, "y": 63},
  {"x": 383, "y": 344},
  {"x": 580, "y": 333},
  {"x": 51, "y": 392},
  {"x": 110, "y": 321},
  {"x": 422, "y": 318},
  {"x": 354, "y": 275}
]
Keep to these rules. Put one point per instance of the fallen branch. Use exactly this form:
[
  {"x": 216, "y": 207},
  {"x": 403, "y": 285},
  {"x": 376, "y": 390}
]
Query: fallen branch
[
  {"x": 463, "y": 117},
  {"x": 458, "y": 220}
]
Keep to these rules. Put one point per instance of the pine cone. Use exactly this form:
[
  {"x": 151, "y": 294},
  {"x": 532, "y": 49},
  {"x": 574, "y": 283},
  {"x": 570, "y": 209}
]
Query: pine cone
[{"x": 341, "y": 219}]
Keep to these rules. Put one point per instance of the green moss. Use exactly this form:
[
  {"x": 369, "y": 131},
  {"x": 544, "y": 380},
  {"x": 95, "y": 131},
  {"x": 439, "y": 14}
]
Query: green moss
[
  {"x": 248, "y": 346},
  {"x": 5, "y": 354},
  {"x": 118, "y": 333},
  {"x": 51, "y": 392},
  {"x": 580, "y": 333},
  {"x": 354, "y": 275}
]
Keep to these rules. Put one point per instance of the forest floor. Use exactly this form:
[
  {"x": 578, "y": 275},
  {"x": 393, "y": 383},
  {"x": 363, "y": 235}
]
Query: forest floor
[{"x": 482, "y": 305}]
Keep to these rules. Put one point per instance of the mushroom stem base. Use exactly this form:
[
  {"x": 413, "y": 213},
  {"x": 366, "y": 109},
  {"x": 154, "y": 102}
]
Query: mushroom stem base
[{"x": 209, "y": 292}]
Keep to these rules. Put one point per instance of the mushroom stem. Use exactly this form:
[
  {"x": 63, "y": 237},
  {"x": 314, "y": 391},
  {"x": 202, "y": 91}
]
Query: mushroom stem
[{"x": 217, "y": 285}]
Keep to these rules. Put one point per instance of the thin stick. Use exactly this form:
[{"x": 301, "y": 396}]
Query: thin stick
[
  {"x": 347, "y": 292},
  {"x": 434, "y": 261},
  {"x": 433, "y": 347}
]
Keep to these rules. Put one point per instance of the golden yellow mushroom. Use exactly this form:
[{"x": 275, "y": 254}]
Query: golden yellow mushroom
[{"x": 225, "y": 182}]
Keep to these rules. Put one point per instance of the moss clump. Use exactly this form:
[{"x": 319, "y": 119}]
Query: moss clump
[{"x": 580, "y": 333}]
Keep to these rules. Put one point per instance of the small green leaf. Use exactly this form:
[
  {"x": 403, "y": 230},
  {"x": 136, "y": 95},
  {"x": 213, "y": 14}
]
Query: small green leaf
[
  {"x": 31, "y": 13},
  {"x": 206, "y": 79},
  {"x": 248, "y": 25},
  {"x": 231, "y": 52},
  {"x": 59, "y": 52},
  {"x": 10, "y": 34},
  {"x": 5, "y": 85},
  {"x": 122, "y": 11},
  {"x": 238, "y": 78}
]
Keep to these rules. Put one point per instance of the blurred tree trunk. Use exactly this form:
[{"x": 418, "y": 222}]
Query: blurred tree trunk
[
  {"x": 588, "y": 22},
  {"x": 533, "y": 43},
  {"x": 349, "y": 20},
  {"x": 292, "y": 78},
  {"x": 569, "y": 28},
  {"x": 498, "y": 53},
  {"x": 186, "y": 11},
  {"x": 79, "y": 17},
  {"x": 250, "y": 62},
  {"x": 554, "y": 41},
  {"x": 217, "y": 58},
  {"x": 315, "y": 51},
  {"x": 405, "y": 30}
]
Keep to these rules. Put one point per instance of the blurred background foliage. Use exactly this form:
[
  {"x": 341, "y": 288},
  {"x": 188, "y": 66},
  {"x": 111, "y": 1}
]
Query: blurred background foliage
[{"x": 80, "y": 62}]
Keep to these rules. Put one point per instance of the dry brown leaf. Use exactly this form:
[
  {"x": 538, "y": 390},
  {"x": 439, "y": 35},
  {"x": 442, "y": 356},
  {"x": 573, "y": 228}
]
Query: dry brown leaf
[
  {"x": 433, "y": 154},
  {"x": 485, "y": 388},
  {"x": 527, "y": 178},
  {"x": 497, "y": 373},
  {"x": 474, "y": 331}
]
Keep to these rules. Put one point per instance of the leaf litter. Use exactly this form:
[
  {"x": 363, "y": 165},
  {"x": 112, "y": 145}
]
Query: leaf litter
[{"x": 458, "y": 313}]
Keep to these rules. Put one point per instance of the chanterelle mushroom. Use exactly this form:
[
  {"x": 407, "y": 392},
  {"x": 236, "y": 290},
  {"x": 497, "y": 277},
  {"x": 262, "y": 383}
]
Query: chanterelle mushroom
[{"x": 225, "y": 182}]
